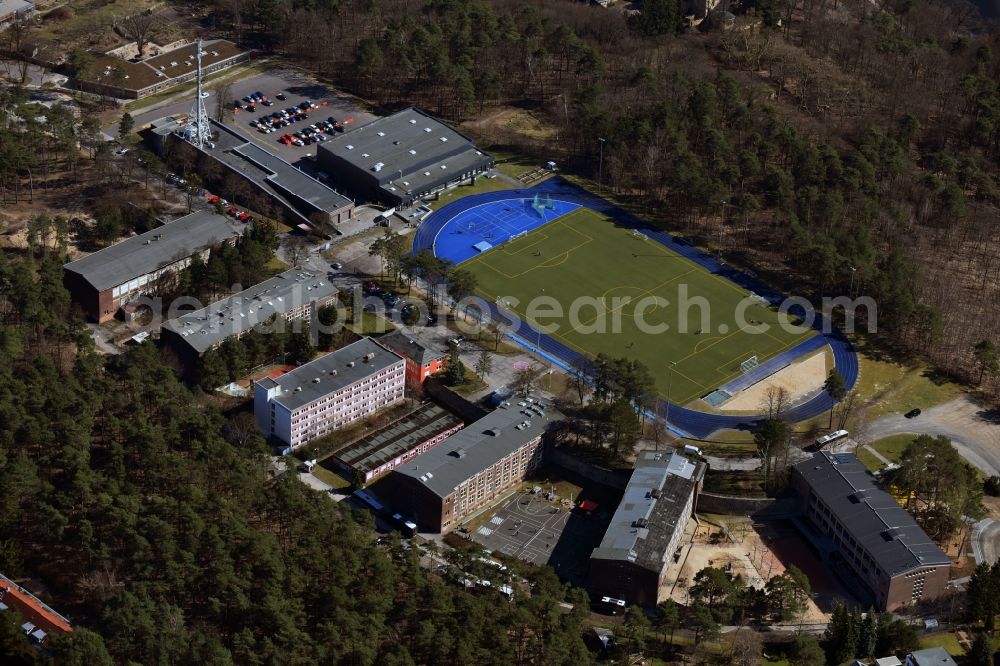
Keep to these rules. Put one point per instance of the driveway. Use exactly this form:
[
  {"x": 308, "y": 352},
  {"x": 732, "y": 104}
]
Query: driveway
[{"x": 974, "y": 430}]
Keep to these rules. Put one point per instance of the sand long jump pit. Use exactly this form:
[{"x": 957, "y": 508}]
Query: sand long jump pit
[{"x": 799, "y": 379}]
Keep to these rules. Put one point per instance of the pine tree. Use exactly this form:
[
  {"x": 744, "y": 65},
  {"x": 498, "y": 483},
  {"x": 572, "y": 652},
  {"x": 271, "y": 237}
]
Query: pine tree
[{"x": 867, "y": 635}]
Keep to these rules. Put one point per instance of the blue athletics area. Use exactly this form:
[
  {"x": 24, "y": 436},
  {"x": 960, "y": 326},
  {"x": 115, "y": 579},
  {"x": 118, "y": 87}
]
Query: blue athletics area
[
  {"x": 483, "y": 226},
  {"x": 436, "y": 234}
]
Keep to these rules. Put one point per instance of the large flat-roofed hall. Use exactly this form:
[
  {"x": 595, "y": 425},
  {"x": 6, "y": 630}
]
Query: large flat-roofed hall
[{"x": 400, "y": 158}]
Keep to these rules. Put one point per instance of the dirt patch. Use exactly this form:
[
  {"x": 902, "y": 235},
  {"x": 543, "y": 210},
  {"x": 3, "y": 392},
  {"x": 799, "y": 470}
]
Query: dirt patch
[
  {"x": 799, "y": 379},
  {"x": 511, "y": 126},
  {"x": 755, "y": 551}
]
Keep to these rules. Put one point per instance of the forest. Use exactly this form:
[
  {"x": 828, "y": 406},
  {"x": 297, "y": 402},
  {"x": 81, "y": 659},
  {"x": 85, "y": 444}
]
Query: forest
[
  {"x": 847, "y": 148},
  {"x": 156, "y": 524}
]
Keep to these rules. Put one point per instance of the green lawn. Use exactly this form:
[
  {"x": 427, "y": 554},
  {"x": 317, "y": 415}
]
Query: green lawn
[
  {"x": 894, "y": 388},
  {"x": 946, "y": 640},
  {"x": 482, "y": 185},
  {"x": 892, "y": 447},
  {"x": 606, "y": 281},
  {"x": 869, "y": 460}
]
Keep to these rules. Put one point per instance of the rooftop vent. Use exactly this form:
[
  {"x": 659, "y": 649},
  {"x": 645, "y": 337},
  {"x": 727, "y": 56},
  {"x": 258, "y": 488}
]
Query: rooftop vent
[
  {"x": 378, "y": 166},
  {"x": 412, "y": 121},
  {"x": 493, "y": 432},
  {"x": 381, "y": 133},
  {"x": 350, "y": 147},
  {"x": 365, "y": 155},
  {"x": 444, "y": 139},
  {"x": 351, "y": 364},
  {"x": 412, "y": 152},
  {"x": 458, "y": 453},
  {"x": 316, "y": 380},
  {"x": 640, "y": 522},
  {"x": 427, "y": 129},
  {"x": 298, "y": 389}
]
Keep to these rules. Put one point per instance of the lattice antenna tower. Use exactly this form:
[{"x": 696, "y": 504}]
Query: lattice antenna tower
[{"x": 201, "y": 131}]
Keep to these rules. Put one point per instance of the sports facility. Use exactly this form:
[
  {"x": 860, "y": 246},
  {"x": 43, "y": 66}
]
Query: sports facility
[
  {"x": 618, "y": 278},
  {"x": 605, "y": 282}
]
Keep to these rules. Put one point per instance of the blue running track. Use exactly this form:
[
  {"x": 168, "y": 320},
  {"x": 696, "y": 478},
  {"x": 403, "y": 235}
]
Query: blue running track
[{"x": 436, "y": 234}]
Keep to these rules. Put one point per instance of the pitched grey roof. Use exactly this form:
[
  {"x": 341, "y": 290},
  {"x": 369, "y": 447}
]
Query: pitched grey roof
[
  {"x": 935, "y": 656},
  {"x": 407, "y": 150},
  {"x": 154, "y": 249},
  {"x": 650, "y": 510},
  {"x": 203, "y": 329},
  {"x": 410, "y": 347},
  {"x": 334, "y": 371},
  {"x": 884, "y": 529},
  {"x": 381, "y": 446},
  {"x": 476, "y": 447}
]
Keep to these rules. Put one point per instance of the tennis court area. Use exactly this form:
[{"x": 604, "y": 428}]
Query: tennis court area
[{"x": 610, "y": 289}]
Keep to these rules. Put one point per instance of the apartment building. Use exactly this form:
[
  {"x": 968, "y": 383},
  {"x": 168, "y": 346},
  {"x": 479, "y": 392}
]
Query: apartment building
[
  {"x": 865, "y": 531},
  {"x": 644, "y": 534},
  {"x": 104, "y": 281},
  {"x": 291, "y": 295},
  {"x": 326, "y": 394},
  {"x": 421, "y": 360},
  {"x": 472, "y": 468},
  {"x": 378, "y": 453}
]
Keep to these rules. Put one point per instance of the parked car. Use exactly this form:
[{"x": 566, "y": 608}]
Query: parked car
[
  {"x": 281, "y": 97},
  {"x": 913, "y": 413},
  {"x": 336, "y": 265}
]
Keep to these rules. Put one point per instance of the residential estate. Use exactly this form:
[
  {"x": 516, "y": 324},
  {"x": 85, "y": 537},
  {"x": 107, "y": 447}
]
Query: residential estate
[
  {"x": 328, "y": 393},
  {"x": 104, "y": 281},
  {"x": 401, "y": 158},
  {"x": 867, "y": 534},
  {"x": 646, "y": 529},
  {"x": 473, "y": 467}
]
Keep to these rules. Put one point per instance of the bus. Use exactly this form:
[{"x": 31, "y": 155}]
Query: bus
[{"x": 833, "y": 436}]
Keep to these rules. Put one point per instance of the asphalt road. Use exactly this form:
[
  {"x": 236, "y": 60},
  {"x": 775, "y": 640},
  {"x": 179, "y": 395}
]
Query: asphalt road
[
  {"x": 974, "y": 431},
  {"x": 986, "y": 541}
]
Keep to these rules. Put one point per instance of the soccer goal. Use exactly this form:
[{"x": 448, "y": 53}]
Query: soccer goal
[
  {"x": 541, "y": 203},
  {"x": 638, "y": 234},
  {"x": 749, "y": 364},
  {"x": 514, "y": 237}
]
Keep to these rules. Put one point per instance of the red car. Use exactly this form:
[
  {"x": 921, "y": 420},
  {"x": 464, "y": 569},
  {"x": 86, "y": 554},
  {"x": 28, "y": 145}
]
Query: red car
[
  {"x": 214, "y": 199},
  {"x": 243, "y": 217},
  {"x": 233, "y": 211}
]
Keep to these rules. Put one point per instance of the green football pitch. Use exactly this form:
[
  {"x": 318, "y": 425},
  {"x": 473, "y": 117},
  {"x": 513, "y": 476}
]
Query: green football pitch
[{"x": 599, "y": 288}]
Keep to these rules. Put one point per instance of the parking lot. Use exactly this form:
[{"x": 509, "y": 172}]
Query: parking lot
[
  {"x": 539, "y": 532},
  {"x": 297, "y": 88}
]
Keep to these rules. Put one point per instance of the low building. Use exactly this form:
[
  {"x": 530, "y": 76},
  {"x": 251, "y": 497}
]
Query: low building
[
  {"x": 865, "y": 530},
  {"x": 11, "y": 10},
  {"x": 935, "y": 656},
  {"x": 400, "y": 158},
  {"x": 294, "y": 294},
  {"x": 133, "y": 79},
  {"x": 323, "y": 395},
  {"x": 631, "y": 562},
  {"x": 396, "y": 444},
  {"x": 106, "y": 280},
  {"x": 302, "y": 199},
  {"x": 421, "y": 360},
  {"x": 40, "y": 621},
  {"x": 472, "y": 468}
]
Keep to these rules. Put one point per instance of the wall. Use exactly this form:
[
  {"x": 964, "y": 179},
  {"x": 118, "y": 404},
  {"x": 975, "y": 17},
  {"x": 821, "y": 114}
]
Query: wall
[
  {"x": 745, "y": 506},
  {"x": 613, "y": 478}
]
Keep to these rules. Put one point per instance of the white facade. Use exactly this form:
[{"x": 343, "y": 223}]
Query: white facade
[{"x": 322, "y": 415}]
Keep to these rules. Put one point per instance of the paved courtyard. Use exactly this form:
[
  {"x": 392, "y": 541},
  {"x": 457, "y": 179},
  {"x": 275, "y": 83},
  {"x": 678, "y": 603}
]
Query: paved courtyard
[{"x": 541, "y": 533}]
